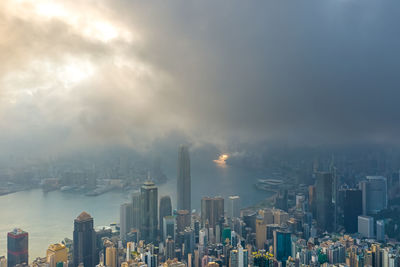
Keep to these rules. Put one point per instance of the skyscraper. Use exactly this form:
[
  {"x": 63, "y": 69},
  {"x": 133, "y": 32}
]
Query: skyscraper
[
  {"x": 374, "y": 193},
  {"x": 324, "y": 201},
  {"x": 165, "y": 210},
  {"x": 184, "y": 179},
  {"x": 233, "y": 207},
  {"x": 335, "y": 185},
  {"x": 261, "y": 234},
  {"x": 56, "y": 253},
  {"x": 84, "y": 241},
  {"x": 111, "y": 256},
  {"x": 380, "y": 230},
  {"x": 17, "y": 247},
  {"x": 136, "y": 209},
  {"x": 366, "y": 226},
  {"x": 126, "y": 217},
  {"x": 169, "y": 248},
  {"x": 169, "y": 227},
  {"x": 312, "y": 196},
  {"x": 238, "y": 257},
  {"x": 282, "y": 245},
  {"x": 149, "y": 212},
  {"x": 352, "y": 209},
  {"x": 183, "y": 220},
  {"x": 212, "y": 210},
  {"x": 188, "y": 241}
]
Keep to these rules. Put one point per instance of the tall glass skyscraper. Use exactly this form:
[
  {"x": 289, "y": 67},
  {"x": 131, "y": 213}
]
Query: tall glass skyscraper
[
  {"x": 352, "y": 209},
  {"x": 17, "y": 247},
  {"x": 325, "y": 209},
  {"x": 84, "y": 241},
  {"x": 282, "y": 245},
  {"x": 149, "y": 212},
  {"x": 184, "y": 179},
  {"x": 165, "y": 210}
]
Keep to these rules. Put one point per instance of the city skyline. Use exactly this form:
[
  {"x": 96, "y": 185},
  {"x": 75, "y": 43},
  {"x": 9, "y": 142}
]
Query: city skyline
[
  {"x": 199, "y": 133},
  {"x": 274, "y": 225}
]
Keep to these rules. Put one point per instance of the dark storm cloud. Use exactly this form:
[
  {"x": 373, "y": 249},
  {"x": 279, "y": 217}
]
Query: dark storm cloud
[
  {"x": 324, "y": 71},
  {"x": 222, "y": 72},
  {"x": 318, "y": 69}
]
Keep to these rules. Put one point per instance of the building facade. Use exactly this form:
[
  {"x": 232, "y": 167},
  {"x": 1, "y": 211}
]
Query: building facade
[
  {"x": 165, "y": 210},
  {"x": 352, "y": 208},
  {"x": 374, "y": 194},
  {"x": 84, "y": 241},
  {"x": 17, "y": 247},
  {"x": 126, "y": 217},
  {"x": 184, "y": 179},
  {"x": 212, "y": 210},
  {"x": 324, "y": 201},
  {"x": 366, "y": 226},
  {"x": 149, "y": 212}
]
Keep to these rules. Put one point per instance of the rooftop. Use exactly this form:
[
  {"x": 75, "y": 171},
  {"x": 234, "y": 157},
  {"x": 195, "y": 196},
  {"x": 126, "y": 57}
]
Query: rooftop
[
  {"x": 84, "y": 216},
  {"x": 17, "y": 231},
  {"x": 56, "y": 247}
]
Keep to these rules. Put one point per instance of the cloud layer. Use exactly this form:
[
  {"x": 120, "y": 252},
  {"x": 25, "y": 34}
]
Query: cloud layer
[{"x": 76, "y": 74}]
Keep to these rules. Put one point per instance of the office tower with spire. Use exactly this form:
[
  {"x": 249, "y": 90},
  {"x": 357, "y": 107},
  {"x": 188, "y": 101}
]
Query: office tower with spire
[
  {"x": 17, "y": 247},
  {"x": 149, "y": 212},
  {"x": 84, "y": 241},
  {"x": 184, "y": 179},
  {"x": 165, "y": 210}
]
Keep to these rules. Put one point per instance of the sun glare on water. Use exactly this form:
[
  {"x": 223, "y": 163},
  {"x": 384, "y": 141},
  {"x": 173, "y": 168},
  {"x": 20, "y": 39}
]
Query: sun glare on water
[{"x": 221, "y": 161}]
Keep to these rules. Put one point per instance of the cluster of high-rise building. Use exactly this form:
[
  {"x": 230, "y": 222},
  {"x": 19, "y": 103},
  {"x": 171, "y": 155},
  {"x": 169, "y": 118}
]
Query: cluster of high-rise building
[{"x": 325, "y": 225}]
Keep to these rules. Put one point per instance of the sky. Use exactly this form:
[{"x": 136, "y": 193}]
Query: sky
[{"x": 95, "y": 73}]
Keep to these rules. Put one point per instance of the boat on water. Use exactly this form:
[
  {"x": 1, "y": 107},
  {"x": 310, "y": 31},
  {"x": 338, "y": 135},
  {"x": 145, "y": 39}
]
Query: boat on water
[
  {"x": 269, "y": 184},
  {"x": 67, "y": 188},
  {"x": 270, "y": 181},
  {"x": 99, "y": 191}
]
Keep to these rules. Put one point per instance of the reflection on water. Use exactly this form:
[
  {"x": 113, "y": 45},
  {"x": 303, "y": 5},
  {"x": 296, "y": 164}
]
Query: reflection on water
[{"x": 221, "y": 161}]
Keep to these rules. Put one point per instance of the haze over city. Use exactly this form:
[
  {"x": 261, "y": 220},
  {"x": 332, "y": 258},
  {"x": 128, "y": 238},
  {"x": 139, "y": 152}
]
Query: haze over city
[{"x": 199, "y": 133}]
